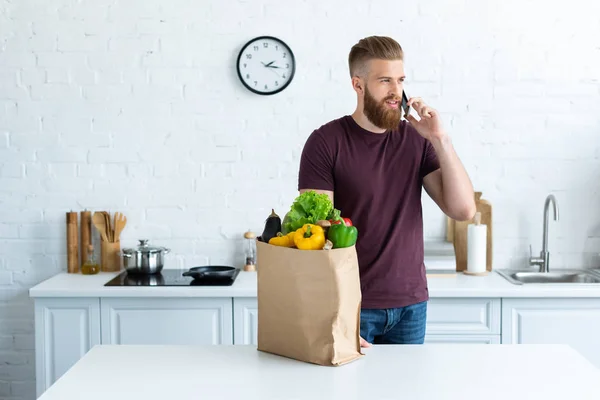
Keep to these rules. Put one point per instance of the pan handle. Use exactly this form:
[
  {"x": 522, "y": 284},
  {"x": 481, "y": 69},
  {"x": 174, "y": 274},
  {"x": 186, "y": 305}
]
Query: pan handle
[{"x": 193, "y": 274}]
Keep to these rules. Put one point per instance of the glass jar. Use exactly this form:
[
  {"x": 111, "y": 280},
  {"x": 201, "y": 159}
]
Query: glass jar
[
  {"x": 249, "y": 251},
  {"x": 90, "y": 266}
]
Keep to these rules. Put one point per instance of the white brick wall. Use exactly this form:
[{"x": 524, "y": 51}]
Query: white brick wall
[{"x": 135, "y": 106}]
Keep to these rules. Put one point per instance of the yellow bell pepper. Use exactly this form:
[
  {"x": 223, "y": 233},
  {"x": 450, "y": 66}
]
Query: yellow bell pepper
[
  {"x": 283, "y": 240},
  {"x": 310, "y": 237}
]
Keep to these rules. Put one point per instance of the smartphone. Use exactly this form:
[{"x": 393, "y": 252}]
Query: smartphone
[
  {"x": 407, "y": 109},
  {"x": 404, "y": 105}
]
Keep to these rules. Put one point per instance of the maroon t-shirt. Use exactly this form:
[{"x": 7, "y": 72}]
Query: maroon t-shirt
[{"x": 377, "y": 182}]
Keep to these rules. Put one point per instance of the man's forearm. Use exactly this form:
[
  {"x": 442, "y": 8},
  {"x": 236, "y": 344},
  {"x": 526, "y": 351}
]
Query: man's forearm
[{"x": 457, "y": 188}]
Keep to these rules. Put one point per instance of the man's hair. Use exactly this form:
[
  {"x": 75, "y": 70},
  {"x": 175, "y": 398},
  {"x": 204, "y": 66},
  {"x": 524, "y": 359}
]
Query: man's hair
[{"x": 372, "y": 47}]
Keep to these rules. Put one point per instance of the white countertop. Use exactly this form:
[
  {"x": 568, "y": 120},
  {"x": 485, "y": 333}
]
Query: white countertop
[
  {"x": 440, "y": 372},
  {"x": 458, "y": 285},
  {"x": 77, "y": 285}
]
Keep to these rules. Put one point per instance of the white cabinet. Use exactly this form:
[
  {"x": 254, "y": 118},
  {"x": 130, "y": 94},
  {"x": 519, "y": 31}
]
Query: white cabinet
[
  {"x": 471, "y": 316},
  {"x": 178, "y": 321},
  {"x": 462, "y": 339},
  {"x": 575, "y": 322},
  {"x": 245, "y": 317},
  {"x": 463, "y": 320},
  {"x": 449, "y": 320},
  {"x": 66, "y": 329}
]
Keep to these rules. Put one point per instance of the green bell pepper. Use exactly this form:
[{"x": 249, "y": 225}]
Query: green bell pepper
[{"x": 342, "y": 235}]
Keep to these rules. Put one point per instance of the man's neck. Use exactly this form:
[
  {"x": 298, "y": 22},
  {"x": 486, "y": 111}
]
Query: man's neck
[{"x": 364, "y": 122}]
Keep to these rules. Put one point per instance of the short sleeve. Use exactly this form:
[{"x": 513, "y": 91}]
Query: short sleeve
[
  {"x": 316, "y": 164},
  {"x": 429, "y": 162}
]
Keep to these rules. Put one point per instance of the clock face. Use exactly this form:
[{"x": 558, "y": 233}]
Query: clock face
[{"x": 266, "y": 65}]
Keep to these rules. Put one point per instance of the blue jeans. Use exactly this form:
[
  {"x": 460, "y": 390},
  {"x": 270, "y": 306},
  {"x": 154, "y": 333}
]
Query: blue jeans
[{"x": 405, "y": 325}]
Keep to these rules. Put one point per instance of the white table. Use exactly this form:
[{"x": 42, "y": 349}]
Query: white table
[{"x": 433, "y": 372}]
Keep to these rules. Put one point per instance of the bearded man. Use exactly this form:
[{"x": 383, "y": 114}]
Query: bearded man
[{"x": 373, "y": 165}]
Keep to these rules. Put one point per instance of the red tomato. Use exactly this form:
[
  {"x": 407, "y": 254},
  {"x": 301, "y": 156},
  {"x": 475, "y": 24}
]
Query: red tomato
[{"x": 346, "y": 221}]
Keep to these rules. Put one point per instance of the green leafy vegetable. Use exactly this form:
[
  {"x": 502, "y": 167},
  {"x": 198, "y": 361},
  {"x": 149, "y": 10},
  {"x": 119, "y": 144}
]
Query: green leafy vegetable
[{"x": 308, "y": 208}]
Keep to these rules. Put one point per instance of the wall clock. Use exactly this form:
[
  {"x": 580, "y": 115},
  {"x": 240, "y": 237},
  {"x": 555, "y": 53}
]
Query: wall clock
[{"x": 266, "y": 65}]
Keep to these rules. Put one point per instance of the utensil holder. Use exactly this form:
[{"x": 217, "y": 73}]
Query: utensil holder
[{"x": 110, "y": 258}]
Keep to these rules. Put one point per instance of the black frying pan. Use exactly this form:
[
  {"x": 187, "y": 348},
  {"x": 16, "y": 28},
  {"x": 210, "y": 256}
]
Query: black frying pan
[{"x": 213, "y": 271}]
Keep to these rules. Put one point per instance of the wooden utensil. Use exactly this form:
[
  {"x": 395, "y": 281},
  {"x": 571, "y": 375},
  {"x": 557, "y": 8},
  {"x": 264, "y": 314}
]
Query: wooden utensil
[
  {"x": 85, "y": 234},
  {"x": 120, "y": 222},
  {"x": 99, "y": 220},
  {"x": 109, "y": 230},
  {"x": 72, "y": 244},
  {"x": 103, "y": 213}
]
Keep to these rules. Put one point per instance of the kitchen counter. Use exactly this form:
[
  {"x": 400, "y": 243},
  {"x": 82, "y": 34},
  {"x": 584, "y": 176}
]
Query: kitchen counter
[
  {"x": 458, "y": 285},
  {"x": 391, "y": 371}
]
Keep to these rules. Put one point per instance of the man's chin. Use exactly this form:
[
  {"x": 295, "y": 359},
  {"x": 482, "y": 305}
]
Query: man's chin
[{"x": 389, "y": 122}]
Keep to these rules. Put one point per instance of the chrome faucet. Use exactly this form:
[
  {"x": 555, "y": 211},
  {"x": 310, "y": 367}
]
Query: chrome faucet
[{"x": 544, "y": 259}]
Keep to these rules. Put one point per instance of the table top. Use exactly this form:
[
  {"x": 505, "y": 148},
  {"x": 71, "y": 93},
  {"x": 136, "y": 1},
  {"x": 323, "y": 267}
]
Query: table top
[{"x": 432, "y": 371}]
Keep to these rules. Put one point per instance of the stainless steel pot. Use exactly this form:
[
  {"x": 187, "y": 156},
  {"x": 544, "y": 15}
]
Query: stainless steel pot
[{"x": 144, "y": 259}]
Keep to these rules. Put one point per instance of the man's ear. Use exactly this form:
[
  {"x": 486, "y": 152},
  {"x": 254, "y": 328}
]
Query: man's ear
[{"x": 358, "y": 85}]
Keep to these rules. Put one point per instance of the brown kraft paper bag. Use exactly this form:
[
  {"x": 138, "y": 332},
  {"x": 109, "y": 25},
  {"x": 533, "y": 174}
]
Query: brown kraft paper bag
[{"x": 309, "y": 304}]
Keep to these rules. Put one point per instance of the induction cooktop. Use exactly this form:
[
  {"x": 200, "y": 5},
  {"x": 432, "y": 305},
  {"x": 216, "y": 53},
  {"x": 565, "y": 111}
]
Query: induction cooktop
[{"x": 169, "y": 277}]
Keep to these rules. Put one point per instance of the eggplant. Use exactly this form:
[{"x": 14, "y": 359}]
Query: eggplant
[{"x": 272, "y": 227}]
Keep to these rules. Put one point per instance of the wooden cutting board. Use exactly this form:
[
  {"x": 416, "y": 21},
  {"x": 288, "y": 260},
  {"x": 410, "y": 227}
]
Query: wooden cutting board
[{"x": 456, "y": 233}]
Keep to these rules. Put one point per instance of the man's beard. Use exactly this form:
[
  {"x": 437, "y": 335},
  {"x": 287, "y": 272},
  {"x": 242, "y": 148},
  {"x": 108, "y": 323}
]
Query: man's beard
[{"x": 379, "y": 114}]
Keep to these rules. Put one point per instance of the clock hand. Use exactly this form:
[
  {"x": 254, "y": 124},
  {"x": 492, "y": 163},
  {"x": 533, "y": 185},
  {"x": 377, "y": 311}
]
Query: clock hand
[
  {"x": 269, "y": 64},
  {"x": 275, "y": 72}
]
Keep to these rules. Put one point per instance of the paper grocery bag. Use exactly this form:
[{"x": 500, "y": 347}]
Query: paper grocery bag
[{"x": 309, "y": 304}]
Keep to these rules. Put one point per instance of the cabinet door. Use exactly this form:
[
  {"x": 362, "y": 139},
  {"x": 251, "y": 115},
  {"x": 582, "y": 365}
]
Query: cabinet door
[
  {"x": 169, "y": 321},
  {"x": 65, "y": 330},
  {"x": 451, "y": 316},
  {"x": 575, "y": 322},
  {"x": 462, "y": 339},
  {"x": 245, "y": 320}
]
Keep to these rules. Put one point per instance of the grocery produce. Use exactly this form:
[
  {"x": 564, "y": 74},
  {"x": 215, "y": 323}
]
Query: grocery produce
[
  {"x": 309, "y": 237},
  {"x": 272, "y": 226},
  {"x": 283, "y": 240},
  {"x": 324, "y": 223},
  {"x": 342, "y": 235},
  {"x": 308, "y": 208},
  {"x": 347, "y": 221},
  {"x": 312, "y": 223}
]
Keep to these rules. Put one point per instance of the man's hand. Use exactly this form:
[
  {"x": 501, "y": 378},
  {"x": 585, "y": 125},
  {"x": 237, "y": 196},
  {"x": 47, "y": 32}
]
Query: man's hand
[
  {"x": 430, "y": 125},
  {"x": 364, "y": 343},
  {"x": 449, "y": 186}
]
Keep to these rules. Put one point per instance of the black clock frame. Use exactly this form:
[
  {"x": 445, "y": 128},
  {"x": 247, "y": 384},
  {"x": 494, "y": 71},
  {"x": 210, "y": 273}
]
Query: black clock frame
[{"x": 292, "y": 72}]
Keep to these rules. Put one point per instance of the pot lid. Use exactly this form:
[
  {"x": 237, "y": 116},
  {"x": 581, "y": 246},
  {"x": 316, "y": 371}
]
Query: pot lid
[{"x": 144, "y": 247}]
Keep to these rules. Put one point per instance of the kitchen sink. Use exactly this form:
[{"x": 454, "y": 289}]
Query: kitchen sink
[
  {"x": 539, "y": 271},
  {"x": 562, "y": 276}
]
